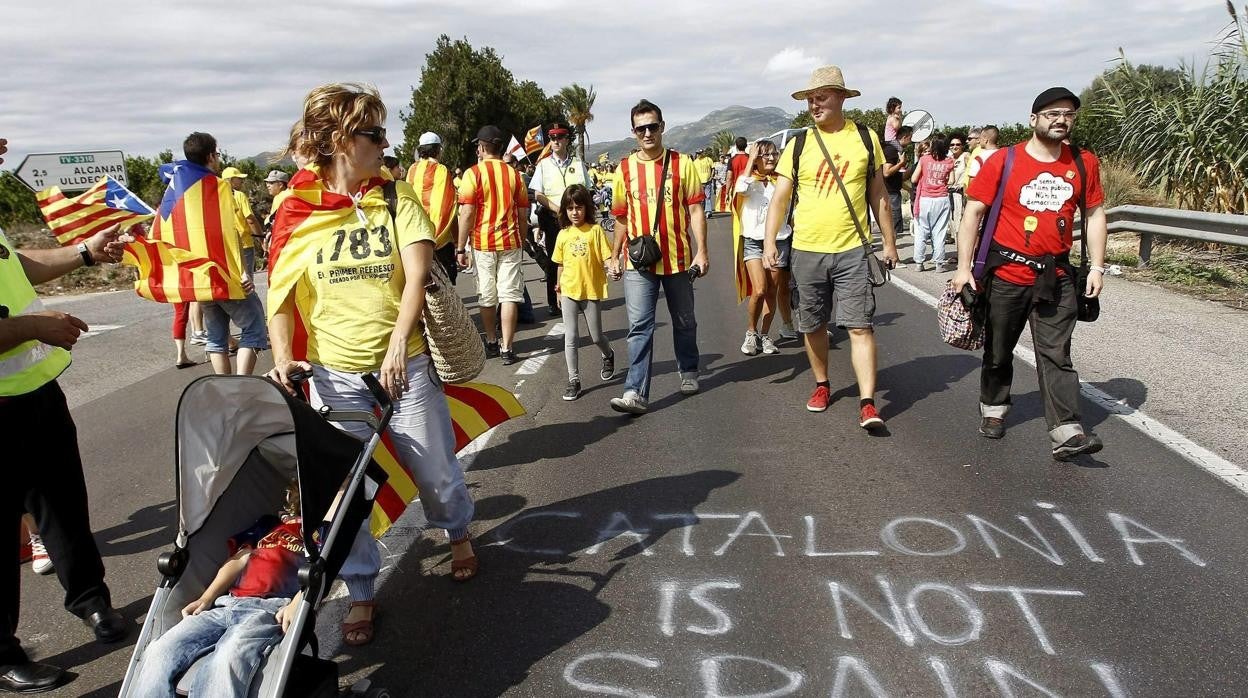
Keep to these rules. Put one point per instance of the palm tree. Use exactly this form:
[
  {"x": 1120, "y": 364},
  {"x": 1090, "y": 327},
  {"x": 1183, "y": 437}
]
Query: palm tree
[
  {"x": 723, "y": 141},
  {"x": 578, "y": 104}
]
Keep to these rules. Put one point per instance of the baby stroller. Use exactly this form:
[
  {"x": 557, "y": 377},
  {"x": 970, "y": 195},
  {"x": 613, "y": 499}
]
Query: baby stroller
[{"x": 239, "y": 440}]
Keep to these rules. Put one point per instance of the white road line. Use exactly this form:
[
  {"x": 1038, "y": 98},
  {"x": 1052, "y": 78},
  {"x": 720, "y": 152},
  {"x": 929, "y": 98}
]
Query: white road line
[
  {"x": 99, "y": 329},
  {"x": 538, "y": 358},
  {"x": 1194, "y": 453}
]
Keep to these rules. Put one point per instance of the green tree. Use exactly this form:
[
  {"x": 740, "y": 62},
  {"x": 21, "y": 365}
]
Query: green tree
[
  {"x": 461, "y": 89},
  {"x": 722, "y": 142},
  {"x": 871, "y": 118},
  {"x": 578, "y": 106},
  {"x": 17, "y": 203},
  {"x": 802, "y": 120},
  {"x": 532, "y": 107}
]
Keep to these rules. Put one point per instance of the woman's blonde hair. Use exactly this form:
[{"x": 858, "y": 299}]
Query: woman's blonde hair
[{"x": 331, "y": 113}]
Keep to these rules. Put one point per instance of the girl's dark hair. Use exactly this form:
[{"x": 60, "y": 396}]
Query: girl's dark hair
[
  {"x": 576, "y": 194},
  {"x": 940, "y": 146},
  {"x": 891, "y": 104}
]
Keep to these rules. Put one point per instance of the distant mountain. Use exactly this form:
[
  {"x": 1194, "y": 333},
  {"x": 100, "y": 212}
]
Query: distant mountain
[
  {"x": 264, "y": 161},
  {"x": 742, "y": 121}
]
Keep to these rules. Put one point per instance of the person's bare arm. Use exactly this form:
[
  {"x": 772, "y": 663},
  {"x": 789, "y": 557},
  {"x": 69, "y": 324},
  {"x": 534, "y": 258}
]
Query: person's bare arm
[
  {"x": 220, "y": 584},
  {"x": 777, "y": 214},
  {"x": 877, "y": 193},
  {"x": 1098, "y": 235},
  {"x": 45, "y": 265},
  {"x": 467, "y": 214},
  {"x": 697, "y": 225},
  {"x": 972, "y": 216},
  {"x": 281, "y": 340},
  {"x": 417, "y": 259}
]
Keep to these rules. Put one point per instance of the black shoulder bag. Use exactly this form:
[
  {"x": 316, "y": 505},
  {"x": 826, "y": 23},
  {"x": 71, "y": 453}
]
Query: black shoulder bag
[
  {"x": 877, "y": 271},
  {"x": 1089, "y": 309},
  {"x": 643, "y": 250}
]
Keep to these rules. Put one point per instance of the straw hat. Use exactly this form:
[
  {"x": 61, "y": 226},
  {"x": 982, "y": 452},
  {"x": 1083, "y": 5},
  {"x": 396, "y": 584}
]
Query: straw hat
[{"x": 827, "y": 76}]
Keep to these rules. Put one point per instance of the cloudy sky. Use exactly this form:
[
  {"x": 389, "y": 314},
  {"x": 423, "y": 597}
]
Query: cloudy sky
[{"x": 83, "y": 74}]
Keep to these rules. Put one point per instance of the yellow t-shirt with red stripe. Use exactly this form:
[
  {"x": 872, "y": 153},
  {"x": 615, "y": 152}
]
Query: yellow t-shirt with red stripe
[
  {"x": 635, "y": 194},
  {"x": 821, "y": 221},
  {"x": 501, "y": 198},
  {"x": 432, "y": 182}
]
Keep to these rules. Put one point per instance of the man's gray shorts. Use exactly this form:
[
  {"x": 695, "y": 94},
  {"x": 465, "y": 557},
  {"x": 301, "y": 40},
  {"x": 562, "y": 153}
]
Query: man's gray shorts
[{"x": 827, "y": 280}]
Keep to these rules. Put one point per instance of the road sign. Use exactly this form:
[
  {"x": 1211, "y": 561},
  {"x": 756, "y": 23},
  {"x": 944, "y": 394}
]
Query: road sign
[
  {"x": 71, "y": 171},
  {"x": 922, "y": 123}
]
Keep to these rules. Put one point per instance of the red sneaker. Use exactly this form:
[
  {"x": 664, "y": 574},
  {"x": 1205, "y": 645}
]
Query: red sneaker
[
  {"x": 868, "y": 418},
  {"x": 819, "y": 399}
]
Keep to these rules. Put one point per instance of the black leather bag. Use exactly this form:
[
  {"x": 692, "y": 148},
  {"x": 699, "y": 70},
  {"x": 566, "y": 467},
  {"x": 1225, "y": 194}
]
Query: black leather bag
[
  {"x": 1088, "y": 309},
  {"x": 643, "y": 250}
]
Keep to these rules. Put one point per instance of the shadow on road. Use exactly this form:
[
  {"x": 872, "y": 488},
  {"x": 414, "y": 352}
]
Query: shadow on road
[
  {"x": 906, "y": 384},
  {"x": 147, "y": 529},
  {"x": 439, "y": 638}
]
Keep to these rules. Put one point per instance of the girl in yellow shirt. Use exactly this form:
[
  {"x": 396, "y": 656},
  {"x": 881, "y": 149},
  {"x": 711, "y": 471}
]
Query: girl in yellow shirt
[{"x": 584, "y": 256}]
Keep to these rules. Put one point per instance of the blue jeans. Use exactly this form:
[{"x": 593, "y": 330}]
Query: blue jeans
[
  {"x": 641, "y": 298},
  {"x": 247, "y": 313},
  {"x": 237, "y": 631}
]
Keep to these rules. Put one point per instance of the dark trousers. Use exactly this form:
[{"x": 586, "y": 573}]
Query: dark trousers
[
  {"x": 43, "y": 474},
  {"x": 1010, "y": 307},
  {"x": 549, "y": 224},
  {"x": 446, "y": 257}
]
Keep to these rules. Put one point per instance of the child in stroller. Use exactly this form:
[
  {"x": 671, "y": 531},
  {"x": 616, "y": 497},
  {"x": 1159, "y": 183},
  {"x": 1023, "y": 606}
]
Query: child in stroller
[{"x": 243, "y": 612}]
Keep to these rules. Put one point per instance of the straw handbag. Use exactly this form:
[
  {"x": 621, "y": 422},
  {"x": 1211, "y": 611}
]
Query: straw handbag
[
  {"x": 454, "y": 344},
  {"x": 455, "y": 347}
]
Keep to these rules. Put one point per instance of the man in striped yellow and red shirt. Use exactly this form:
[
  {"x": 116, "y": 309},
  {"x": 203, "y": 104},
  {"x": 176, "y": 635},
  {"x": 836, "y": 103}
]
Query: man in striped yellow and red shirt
[
  {"x": 670, "y": 209},
  {"x": 494, "y": 210},
  {"x": 432, "y": 182}
]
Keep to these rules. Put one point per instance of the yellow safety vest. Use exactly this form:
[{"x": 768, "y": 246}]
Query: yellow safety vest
[
  {"x": 28, "y": 366},
  {"x": 556, "y": 179}
]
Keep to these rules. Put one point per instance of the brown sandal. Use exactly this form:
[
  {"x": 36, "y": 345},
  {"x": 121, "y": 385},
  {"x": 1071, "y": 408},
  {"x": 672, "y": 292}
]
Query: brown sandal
[
  {"x": 467, "y": 565},
  {"x": 363, "y": 628}
]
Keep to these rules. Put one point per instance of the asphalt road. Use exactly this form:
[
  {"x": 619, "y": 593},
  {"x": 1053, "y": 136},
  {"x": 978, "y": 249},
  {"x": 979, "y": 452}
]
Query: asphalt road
[{"x": 732, "y": 543}]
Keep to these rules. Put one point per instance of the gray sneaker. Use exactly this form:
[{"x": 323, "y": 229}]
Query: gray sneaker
[
  {"x": 787, "y": 332},
  {"x": 941, "y": 267},
  {"x": 608, "y": 367},
  {"x": 573, "y": 390},
  {"x": 688, "y": 383},
  {"x": 769, "y": 347},
  {"x": 630, "y": 403}
]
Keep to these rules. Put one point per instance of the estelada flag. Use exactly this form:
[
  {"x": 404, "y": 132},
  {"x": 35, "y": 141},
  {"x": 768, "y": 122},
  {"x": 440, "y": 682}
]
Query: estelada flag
[
  {"x": 534, "y": 140},
  {"x": 105, "y": 204},
  {"x": 308, "y": 215},
  {"x": 193, "y": 252},
  {"x": 745, "y": 288}
]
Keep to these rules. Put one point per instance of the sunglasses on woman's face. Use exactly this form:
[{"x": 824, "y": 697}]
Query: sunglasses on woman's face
[{"x": 376, "y": 134}]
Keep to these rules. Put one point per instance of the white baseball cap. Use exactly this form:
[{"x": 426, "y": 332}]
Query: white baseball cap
[{"x": 429, "y": 138}]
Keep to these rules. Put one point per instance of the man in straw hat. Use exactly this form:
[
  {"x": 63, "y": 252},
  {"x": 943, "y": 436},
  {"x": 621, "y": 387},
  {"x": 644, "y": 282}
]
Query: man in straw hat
[{"x": 828, "y": 262}]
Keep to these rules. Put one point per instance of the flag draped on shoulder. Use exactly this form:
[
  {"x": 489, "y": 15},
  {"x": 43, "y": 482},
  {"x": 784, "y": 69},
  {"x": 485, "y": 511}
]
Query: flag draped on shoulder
[
  {"x": 105, "y": 204},
  {"x": 306, "y": 218},
  {"x": 744, "y": 287},
  {"x": 193, "y": 252}
]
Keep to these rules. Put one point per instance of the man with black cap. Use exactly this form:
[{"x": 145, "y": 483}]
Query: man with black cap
[
  {"x": 493, "y": 207},
  {"x": 553, "y": 174},
  {"x": 1027, "y": 275}
]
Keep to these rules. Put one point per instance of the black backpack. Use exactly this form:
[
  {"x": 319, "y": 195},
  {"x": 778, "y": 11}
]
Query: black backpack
[{"x": 799, "y": 143}]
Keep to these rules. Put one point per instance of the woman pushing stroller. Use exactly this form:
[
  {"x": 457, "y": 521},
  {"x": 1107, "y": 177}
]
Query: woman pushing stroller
[{"x": 348, "y": 280}]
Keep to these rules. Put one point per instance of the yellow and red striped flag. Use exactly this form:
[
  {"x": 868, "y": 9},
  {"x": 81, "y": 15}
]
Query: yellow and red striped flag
[
  {"x": 105, "y": 204},
  {"x": 193, "y": 252},
  {"x": 302, "y": 220}
]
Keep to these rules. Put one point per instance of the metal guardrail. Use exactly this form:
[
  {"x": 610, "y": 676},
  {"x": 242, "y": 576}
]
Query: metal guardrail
[{"x": 1150, "y": 222}]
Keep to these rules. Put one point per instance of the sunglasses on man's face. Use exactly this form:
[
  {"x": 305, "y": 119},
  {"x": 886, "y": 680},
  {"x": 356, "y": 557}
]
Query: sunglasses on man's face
[
  {"x": 647, "y": 128},
  {"x": 955, "y": 145},
  {"x": 376, "y": 134}
]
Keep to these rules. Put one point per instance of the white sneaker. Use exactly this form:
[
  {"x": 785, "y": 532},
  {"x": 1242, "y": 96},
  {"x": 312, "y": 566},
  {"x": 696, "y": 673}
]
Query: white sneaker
[
  {"x": 199, "y": 338},
  {"x": 630, "y": 403},
  {"x": 769, "y": 347},
  {"x": 40, "y": 562},
  {"x": 688, "y": 383},
  {"x": 750, "y": 346},
  {"x": 787, "y": 332}
]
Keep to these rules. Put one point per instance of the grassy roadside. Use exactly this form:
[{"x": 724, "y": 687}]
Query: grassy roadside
[
  {"x": 1213, "y": 272},
  {"x": 105, "y": 277}
]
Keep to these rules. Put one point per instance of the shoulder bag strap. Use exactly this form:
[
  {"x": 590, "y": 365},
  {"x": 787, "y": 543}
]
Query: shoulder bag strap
[
  {"x": 866, "y": 243},
  {"x": 994, "y": 213},
  {"x": 1083, "y": 206},
  {"x": 661, "y": 187},
  {"x": 390, "y": 192}
]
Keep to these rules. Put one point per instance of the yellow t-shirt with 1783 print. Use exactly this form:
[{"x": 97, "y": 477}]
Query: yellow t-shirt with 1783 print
[
  {"x": 582, "y": 251},
  {"x": 349, "y": 296},
  {"x": 821, "y": 222}
]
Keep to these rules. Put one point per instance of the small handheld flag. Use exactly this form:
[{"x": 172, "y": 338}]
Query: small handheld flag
[{"x": 105, "y": 204}]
